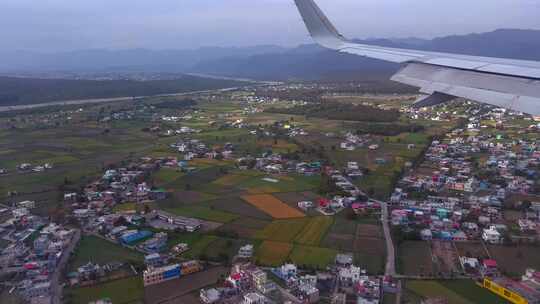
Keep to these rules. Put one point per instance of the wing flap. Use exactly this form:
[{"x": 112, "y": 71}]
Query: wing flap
[{"x": 513, "y": 93}]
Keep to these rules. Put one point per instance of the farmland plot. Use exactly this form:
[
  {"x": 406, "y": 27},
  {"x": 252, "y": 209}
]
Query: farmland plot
[
  {"x": 272, "y": 206},
  {"x": 273, "y": 253},
  {"x": 314, "y": 231},
  {"x": 315, "y": 257},
  {"x": 283, "y": 230}
]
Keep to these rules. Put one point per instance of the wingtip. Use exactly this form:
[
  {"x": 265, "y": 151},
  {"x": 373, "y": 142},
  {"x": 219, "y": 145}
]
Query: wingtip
[{"x": 318, "y": 25}]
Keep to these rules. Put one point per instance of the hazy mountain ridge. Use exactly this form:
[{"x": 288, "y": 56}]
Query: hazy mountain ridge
[
  {"x": 130, "y": 59},
  {"x": 274, "y": 62},
  {"x": 316, "y": 63}
]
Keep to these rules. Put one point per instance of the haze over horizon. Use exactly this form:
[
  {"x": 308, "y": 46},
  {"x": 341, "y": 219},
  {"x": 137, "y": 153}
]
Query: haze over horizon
[{"x": 188, "y": 24}]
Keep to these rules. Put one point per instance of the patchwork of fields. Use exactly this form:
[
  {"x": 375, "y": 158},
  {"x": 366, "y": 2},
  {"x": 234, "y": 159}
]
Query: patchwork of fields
[{"x": 242, "y": 206}]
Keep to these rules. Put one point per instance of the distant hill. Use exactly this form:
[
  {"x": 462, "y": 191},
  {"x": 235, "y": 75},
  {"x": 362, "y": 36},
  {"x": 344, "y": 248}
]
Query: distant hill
[
  {"x": 121, "y": 60},
  {"x": 312, "y": 62},
  {"x": 273, "y": 62},
  {"x": 24, "y": 91}
]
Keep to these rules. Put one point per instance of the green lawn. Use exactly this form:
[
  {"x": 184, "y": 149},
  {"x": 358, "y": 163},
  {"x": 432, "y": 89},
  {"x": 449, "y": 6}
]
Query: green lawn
[
  {"x": 96, "y": 250},
  {"x": 123, "y": 291}
]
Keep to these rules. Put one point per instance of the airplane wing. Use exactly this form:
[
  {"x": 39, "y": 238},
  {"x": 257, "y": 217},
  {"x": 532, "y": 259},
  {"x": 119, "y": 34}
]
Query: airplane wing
[{"x": 512, "y": 84}]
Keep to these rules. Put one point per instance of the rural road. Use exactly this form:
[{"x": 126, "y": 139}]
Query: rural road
[
  {"x": 104, "y": 100},
  {"x": 390, "y": 269},
  {"x": 56, "y": 286}
]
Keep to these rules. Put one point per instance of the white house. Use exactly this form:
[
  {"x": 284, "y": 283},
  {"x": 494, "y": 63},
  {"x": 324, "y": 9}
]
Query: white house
[
  {"x": 492, "y": 236},
  {"x": 254, "y": 298},
  {"x": 350, "y": 275}
]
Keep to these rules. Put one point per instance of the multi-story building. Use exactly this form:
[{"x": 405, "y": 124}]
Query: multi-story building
[
  {"x": 245, "y": 252},
  {"x": 153, "y": 276},
  {"x": 254, "y": 298}
]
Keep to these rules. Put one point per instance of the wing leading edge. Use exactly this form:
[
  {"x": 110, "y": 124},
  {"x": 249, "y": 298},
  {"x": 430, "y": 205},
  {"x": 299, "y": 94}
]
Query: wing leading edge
[{"x": 513, "y": 84}]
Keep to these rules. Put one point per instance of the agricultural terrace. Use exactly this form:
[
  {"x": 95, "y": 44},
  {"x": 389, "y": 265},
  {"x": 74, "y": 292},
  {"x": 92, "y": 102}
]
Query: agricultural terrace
[{"x": 272, "y": 206}]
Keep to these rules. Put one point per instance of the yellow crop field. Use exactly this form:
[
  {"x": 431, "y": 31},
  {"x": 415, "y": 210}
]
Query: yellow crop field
[{"x": 272, "y": 206}]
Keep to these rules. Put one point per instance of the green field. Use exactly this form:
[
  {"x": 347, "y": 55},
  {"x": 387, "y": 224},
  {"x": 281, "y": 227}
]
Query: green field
[
  {"x": 414, "y": 258},
  {"x": 174, "y": 238},
  {"x": 125, "y": 207},
  {"x": 292, "y": 183},
  {"x": 204, "y": 213},
  {"x": 165, "y": 176},
  {"x": 314, "y": 257},
  {"x": 373, "y": 264},
  {"x": 96, "y": 250},
  {"x": 273, "y": 253},
  {"x": 199, "y": 247},
  {"x": 282, "y": 230},
  {"x": 314, "y": 231},
  {"x": 123, "y": 291},
  {"x": 455, "y": 292}
]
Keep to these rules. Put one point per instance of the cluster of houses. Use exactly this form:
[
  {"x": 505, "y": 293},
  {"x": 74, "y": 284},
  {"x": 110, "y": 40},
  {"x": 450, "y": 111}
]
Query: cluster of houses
[
  {"x": 194, "y": 148},
  {"x": 352, "y": 141},
  {"x": 246, "y": 283},
  {"x": 154, "y": 275},
  {"x": 93, "y": 207},
  {"x": 459, "y": 192},
  {"x": 275, "y": 163},
  {"x": 92, "y": 273},
  {"x": 181, "y": 131},
  {"x": 352, "y": 280},
  {"x": 27, "y": 167},
  {"x": 36, "y": 251}
]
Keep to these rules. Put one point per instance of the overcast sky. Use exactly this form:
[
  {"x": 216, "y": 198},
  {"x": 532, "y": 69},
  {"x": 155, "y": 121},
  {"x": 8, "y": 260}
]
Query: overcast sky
[{"x": 51, "y": 25}]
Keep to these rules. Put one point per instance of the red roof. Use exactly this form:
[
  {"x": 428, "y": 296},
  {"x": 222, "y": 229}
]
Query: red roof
[
  {"x": 29, "y": 266},
  {"x": 490, "y": 263},
  {"x": 357, "y": 206},
  {"x": 323, "y": 202}
]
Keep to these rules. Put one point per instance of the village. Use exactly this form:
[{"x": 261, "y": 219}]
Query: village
[{"x": 234, "y": 204}]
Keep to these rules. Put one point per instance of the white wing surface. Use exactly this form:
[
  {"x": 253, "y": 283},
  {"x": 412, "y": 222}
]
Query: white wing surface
[{"x": 508, "y": 83}]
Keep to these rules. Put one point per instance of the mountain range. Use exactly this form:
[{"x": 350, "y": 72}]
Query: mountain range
[{"x": 306, "y": 62}]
